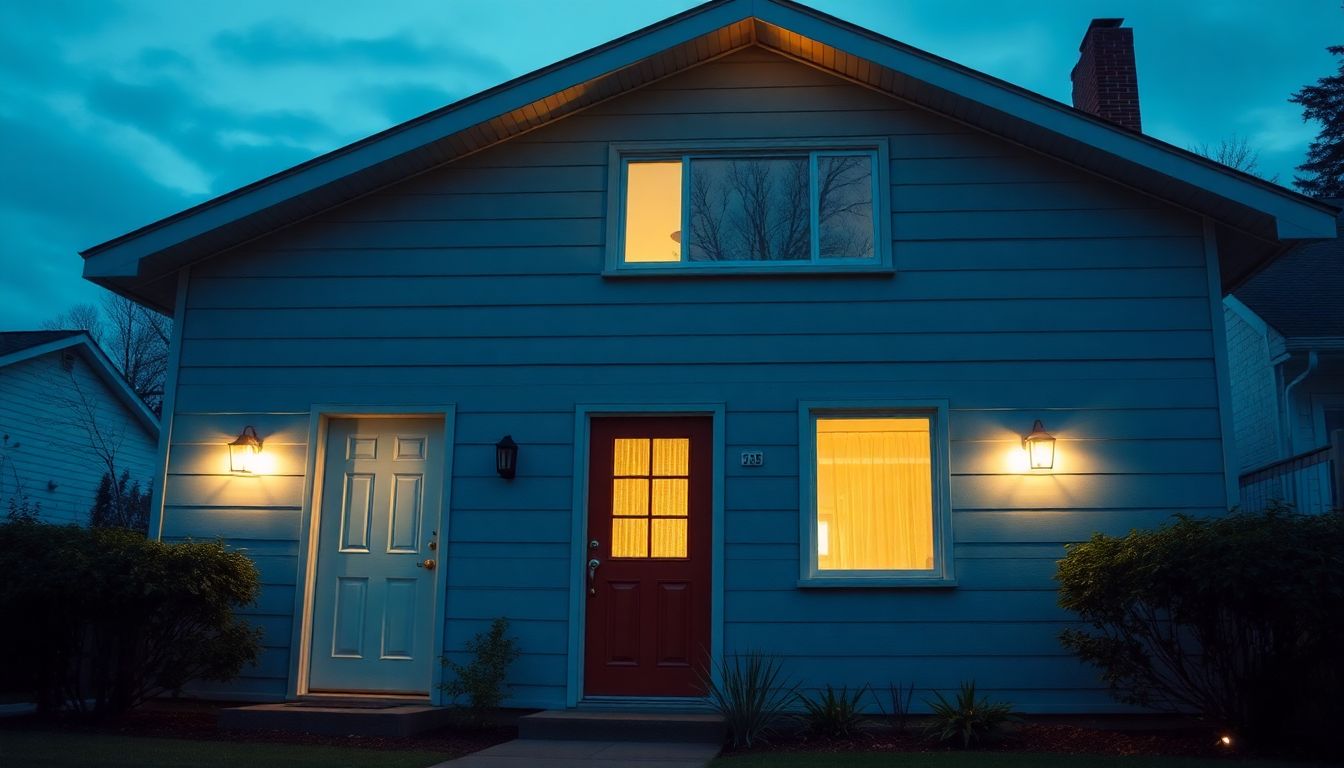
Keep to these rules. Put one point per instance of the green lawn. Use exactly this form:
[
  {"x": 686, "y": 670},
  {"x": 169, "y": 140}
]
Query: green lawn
[
  {"x": 59, "y": 749},
  {"x": 978, "y": 760}
]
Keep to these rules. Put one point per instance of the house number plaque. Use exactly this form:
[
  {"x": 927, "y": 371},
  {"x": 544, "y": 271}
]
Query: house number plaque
[{"x": 753, "y": 458}]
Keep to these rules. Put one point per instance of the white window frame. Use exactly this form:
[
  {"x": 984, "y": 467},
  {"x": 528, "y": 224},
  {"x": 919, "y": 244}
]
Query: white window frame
[
  {"x": 942, "y": 574},
  {"x": 621, "y": 155}
]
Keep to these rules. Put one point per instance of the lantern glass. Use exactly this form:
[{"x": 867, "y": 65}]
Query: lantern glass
[
  {"x": 1040, "y": 447},
  {"x": 506, "y": 457},
  {"x": 243, "y": 451}
]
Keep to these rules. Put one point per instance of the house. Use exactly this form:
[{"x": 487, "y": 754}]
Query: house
[
  {"x": 727, "y": 334},
  {"x": 65, "y": 412},
  {"x": 1285, "y": 340}
]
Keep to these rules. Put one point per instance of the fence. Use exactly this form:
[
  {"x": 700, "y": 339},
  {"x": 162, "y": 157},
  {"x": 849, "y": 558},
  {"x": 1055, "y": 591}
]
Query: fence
[{"x": 1311, "y": 482}]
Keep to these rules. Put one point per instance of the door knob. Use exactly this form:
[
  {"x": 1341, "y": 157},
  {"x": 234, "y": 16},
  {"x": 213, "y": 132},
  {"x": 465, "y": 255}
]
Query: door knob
[
  {"x": 592, "y": 574},
  {"x": 428, "y": 565}
]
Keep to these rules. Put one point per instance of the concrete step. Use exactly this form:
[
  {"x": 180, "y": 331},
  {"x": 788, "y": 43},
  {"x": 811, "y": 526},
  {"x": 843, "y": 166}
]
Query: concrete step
[
  {"x": 387, "y": 719},
  {"x": 581, "y": 725}
]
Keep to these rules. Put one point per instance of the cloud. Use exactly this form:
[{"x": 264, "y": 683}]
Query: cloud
[
  {"x": 401, "y": 102},
  {"x": 283, "y": 43}
]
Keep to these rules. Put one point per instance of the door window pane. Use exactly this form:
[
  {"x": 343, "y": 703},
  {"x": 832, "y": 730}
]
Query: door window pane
[
  {"x": 653, "y": 211},
  {"x": 629, "y": 537},
  {"x": 874, "y": 490},
  {"x": 650, "y": 491}
]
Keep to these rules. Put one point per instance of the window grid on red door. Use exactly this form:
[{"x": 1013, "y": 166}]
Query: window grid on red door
[{"x": 650, "y": 497}]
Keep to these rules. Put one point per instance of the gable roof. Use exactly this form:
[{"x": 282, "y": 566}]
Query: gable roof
[
  {"x": 18, "y": 346},
  {"x": 1254, "y": 218},
  {"x": 1302, "y": 293}
]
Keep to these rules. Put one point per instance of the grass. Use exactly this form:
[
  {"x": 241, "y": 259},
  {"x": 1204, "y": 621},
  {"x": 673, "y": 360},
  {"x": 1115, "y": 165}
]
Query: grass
[
  {"x": 978, "y": 760},
  {"x": 59, "y": 749}
]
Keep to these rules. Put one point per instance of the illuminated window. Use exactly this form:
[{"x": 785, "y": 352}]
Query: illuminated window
[
  {"x": 768, "y": 209},
  {"x": 877, "y": 497},
  {"x": 650, "y": 497}
]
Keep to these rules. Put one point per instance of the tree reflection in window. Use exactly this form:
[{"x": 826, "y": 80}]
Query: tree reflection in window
[{"x": 760, "y": 208}]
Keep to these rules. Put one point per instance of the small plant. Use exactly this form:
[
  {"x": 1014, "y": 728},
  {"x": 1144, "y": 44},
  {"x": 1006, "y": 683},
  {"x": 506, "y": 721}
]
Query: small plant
[
  {"x": 969, "y": 719},
  {"x": 834, "y": 714},
  {"x": 481, "y": 681},
  {"x": 752, "y": 696},
  {"x": 900, "y": 704}
]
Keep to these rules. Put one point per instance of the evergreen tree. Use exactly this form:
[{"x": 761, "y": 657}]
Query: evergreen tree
[
  {"x": 1324, "y": 102},
  {"x": 120, "y": 505}
]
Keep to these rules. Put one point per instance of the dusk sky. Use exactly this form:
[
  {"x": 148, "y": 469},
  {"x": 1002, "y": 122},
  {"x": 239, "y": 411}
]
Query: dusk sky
[{"x": 116, "y": 114}]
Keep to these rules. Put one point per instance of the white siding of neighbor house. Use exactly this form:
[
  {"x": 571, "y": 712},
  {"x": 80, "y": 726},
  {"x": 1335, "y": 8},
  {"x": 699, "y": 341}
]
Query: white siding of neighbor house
[
  {"x": 54, "y": 448},
  {"x": 1024, "y": 289},
  {"x": 1255, "y": 400}
]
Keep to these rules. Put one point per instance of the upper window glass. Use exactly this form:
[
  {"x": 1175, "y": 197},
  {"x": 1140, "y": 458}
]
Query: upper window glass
[{"x": 781, "y": 208}]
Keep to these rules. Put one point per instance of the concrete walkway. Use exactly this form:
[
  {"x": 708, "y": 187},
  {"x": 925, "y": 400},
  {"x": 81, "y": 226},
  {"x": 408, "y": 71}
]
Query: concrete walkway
[{"x": 539, "y": 753}]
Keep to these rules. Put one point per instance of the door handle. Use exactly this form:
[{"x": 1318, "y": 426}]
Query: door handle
[
  {"x": 592, "y": 574},
  {"x": 428, "y": 565}
]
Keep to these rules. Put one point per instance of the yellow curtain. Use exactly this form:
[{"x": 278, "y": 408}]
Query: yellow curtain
[{"x": 874, "y": 494}]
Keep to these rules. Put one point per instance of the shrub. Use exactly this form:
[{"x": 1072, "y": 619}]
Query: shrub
[
  {"x": 481, "y": 680},
  {"x": 751, "y": 694},
  {"x": 120, "y": 505},
  {"x": 834, "y": 714},
  {"x": 968, "y": 719},
  {"x": 900, "y": 704},
  {"x": 1238, "y": 619},
  {"x": 112, "y": 617}
]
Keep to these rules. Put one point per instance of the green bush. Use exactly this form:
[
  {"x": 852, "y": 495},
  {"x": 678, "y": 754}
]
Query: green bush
[
  {"x": 1238, "y": 619},
  {"x": 751, "y": 694},
  {"x": 105, "y": 615},
  {"x": 834, "y": 714},
  {"x": 481, "y": 680},
  {"x": 969, "y": 719}
]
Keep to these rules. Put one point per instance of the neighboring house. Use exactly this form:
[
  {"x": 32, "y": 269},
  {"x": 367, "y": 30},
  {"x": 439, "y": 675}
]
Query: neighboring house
[
  {"x": 1285, "y": 339},
  {"x": 64, "y": 410},
  {"x": 767, "y": 304}
]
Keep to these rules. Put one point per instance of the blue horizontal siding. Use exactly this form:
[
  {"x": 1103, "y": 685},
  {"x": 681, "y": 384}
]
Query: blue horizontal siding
[{"x": 1023, "y": 289}]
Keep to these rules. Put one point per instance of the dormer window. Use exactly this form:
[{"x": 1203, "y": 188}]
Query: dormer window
[{"x": 750, "y": 208}]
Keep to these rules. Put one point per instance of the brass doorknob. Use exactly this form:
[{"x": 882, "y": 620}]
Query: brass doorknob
[{"x": 428, "y": 565}]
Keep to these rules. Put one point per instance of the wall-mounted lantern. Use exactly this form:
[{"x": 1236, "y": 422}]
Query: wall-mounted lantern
[
  {"x": 243, "y": 451},
  {"x": 506, "y": 457},
  {"x": 1040, "y": 447}
]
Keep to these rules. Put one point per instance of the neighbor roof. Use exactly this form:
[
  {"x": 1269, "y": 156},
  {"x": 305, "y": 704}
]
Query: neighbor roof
[
  {"x": 17, "y": 346},
  {"x": 1254, "y": 218},
  {"x": 17, "y": 341},
  {"x": 1302, "y": 293}
]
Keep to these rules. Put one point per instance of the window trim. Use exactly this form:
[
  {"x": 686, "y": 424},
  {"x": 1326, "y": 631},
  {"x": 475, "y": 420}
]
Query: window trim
[
  {"x": 942, "y": 574},
  {"x": 619, "y": 155}
]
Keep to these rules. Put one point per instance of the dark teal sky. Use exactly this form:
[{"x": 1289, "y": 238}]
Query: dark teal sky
[{"x": 115, "y": 114}]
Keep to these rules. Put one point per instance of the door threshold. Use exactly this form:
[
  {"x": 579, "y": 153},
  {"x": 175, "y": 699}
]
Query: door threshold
[
  {"x": 357, "y": 698},
  {"x": 697, "y": 704}
]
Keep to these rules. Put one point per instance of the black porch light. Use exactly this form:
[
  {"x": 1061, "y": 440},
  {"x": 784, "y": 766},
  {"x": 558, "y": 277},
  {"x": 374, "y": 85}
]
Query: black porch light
[{"x": 506, "y": 457}]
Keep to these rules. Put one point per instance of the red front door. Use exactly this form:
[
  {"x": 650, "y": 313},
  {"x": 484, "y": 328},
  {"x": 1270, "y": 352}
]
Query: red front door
[{"x": 648, "y": 556}]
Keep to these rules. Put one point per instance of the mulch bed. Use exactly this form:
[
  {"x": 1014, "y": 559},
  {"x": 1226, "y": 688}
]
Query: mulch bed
[
  {"x": 1025, "y": 737},
  {"x": 183, "y": 719}
]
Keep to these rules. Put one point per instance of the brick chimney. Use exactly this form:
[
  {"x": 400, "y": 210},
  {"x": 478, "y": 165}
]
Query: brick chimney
[{"x": 1105, "y": 81}]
